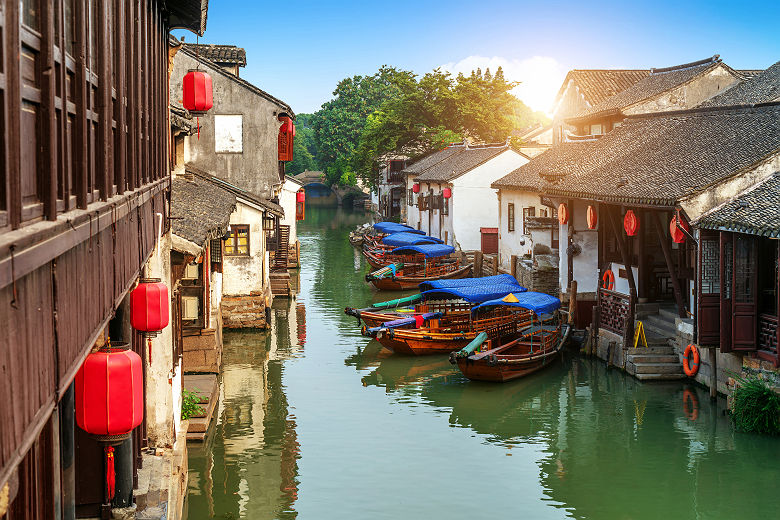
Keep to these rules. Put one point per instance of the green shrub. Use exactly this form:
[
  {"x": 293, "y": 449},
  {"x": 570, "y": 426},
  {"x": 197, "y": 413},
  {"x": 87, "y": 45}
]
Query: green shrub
[
  {"x": 189, "y": 404},
  {"x": 756, "y": 407}
]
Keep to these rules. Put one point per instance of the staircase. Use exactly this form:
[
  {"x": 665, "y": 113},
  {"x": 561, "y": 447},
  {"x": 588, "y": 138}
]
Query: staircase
[
  {"x": 658, "y": 361},
  {"x": 282, "y": 253}
]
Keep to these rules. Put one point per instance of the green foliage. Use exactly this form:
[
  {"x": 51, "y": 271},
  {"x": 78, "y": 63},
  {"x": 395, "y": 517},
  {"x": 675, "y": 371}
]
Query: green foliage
[
  {"x": 189, "y": 404},
  {"x": 756, "y": 407}
]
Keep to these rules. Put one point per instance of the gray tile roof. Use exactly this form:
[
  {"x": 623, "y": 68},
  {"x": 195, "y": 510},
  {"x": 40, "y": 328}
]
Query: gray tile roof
[
  {"x": 463, "y": 161},
  {"x": 658, "y": 82},
  {"x": 235, "y": 190},
  {"x": 430, "y": 160},
  {"x": 200, "y": 209},
  {"x": 220, "y": 54},
  {"x": 760, "y": 88},
  {"x": 655, "y": 159},
  {"x": 597, "y": 85},
  {"x": 756, "y": 212}
]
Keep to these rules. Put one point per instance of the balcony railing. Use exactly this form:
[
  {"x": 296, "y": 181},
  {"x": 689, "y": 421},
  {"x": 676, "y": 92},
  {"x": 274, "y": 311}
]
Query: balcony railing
[{"x": 614, "y": 311}]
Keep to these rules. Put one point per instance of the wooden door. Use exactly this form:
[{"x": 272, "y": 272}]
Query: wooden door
[
  {"x": 745, "y": 299},
  {"x": 726, "y": 277},
  {"x": 709, "y": 289}
]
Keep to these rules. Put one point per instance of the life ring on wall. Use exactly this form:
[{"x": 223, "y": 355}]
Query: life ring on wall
[
  {"x": 608, "y": 280},
  {"x": 690, "y": 405},
  {"x": 691, "y": 360}
]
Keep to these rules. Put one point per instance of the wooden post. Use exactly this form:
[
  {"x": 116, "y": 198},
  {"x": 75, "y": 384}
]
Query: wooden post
[
  {"x": 594, "y": 342},
  {"x": 629, "y": 332},
  {"x": 478, "y": 264},
  {"x": 495, "y": 265},
  {"x": 513, "y": 266},
  {"x": 670, "y": 266},
  {"x": 714, "y": 379},
  {"x": 572, "y": 301}
]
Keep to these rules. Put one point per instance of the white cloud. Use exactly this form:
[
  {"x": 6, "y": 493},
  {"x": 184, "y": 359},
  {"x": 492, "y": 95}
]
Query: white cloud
[{"x": 540, "y": 76}]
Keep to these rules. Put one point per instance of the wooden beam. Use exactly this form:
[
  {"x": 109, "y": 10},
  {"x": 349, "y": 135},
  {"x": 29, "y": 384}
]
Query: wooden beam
[
  {"x": 569, "y": 242},
  {"x": 659, "y": 228},
  {"x": 49, "y": 114},
  {"x": 13, "y": 111},
  {"x": 105, "y": 142},
  {"x": 120, "y": 56}
]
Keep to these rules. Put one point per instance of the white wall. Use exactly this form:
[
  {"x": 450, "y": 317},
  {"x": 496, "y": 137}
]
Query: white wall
[
  {"x": 412, "y": 212},
  {"x": 287, "y": 199},
  {"x": 585, "y": 265},
  {"x": 243, "y": 275},
  {"x": 509, "y": 241},
  {"x": 474, "y": 204}
]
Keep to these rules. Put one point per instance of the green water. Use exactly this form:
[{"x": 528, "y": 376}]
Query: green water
[{"x": 318, "y": 423}]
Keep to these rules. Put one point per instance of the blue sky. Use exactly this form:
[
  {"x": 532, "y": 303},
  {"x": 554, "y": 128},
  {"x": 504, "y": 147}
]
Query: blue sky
[{"x": 298, "y": 51}]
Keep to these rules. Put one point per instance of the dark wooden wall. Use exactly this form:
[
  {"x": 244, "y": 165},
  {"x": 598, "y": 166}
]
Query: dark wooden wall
[{"x": 83, "y": 171}]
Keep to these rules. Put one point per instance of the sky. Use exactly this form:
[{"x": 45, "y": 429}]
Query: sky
[{"x": 298, "y": 51}]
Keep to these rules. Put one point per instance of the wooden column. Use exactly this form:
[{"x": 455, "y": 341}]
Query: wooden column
[
  {"x": 49, "y": 113},
  {"x": 659, "y": 228},
  {"x": 629, "y": 333},
  {"x": 105, "y": 141},
  {"x": 569, "y": 242},
  {"x": 80, "y": 137},
  {"x": 513, "y": 266},
  {"x": 640, "y": 254},
  {"x": 120, "y": 53},
  {"x": 13, "y": 110}
]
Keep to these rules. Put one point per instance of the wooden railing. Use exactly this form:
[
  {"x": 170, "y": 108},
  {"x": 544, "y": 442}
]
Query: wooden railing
[
  {"x": 767, "y": 333},
  {"x": 615, "y": 311}
]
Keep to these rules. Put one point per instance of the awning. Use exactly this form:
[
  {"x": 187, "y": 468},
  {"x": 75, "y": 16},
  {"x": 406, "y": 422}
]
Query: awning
[
  {"x": 408, "y": 239},
  {"x": 537, "y": 302},
  {"x": 474, "y": 294},
  {"x": 394, "y": 227},
  {"x": 429, "y": 250}
]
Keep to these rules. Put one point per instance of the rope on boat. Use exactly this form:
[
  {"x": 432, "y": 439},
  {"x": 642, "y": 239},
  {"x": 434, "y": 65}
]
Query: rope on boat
[{"x": 387, "y": 271}]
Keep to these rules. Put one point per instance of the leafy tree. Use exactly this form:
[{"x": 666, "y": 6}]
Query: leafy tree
[{"x": 303, "y": 159}]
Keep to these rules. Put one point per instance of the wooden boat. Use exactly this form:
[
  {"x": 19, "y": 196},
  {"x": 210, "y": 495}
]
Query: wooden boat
[
  {"x": 436, "y": 265},
  {"x": 506, "y": 357},
  {"x": 380, "y": 252},
  {"x": 452, "y": 326}
]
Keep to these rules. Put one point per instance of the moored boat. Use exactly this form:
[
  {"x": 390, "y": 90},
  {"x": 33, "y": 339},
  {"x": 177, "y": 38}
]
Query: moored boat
[
  {"x": 529, "y": 349},
  {"x": 433, "y": 263}
]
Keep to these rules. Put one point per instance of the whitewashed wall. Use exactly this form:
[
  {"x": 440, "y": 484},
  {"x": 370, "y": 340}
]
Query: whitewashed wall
[
  {"x": 509, "y": 241},
  {"x": 585, "y": 265},
  {"x": 245, "y": 274},
  {"x": 287, "y": 200}
]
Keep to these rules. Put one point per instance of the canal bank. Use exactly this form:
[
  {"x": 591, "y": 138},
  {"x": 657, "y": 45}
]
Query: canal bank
[{"x": 317, "y": 422}]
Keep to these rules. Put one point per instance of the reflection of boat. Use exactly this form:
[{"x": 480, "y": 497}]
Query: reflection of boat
[
  {"x": 511, "y": 356},
  {"x": 395, "y": 372}
]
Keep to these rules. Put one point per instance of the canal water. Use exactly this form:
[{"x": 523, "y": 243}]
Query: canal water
[{"x": 316, "y": 422}]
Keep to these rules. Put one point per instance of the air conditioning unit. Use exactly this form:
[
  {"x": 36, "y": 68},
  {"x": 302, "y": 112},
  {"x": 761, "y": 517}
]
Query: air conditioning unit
[
  {"x": 190, "y": 272},
  {"x": 189, "y": 307}
]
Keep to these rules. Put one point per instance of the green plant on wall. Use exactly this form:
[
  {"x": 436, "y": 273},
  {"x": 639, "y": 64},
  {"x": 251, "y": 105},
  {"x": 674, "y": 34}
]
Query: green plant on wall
[
  {"x": 189, "y": 404},
  {"x": 756, "y": 406}
]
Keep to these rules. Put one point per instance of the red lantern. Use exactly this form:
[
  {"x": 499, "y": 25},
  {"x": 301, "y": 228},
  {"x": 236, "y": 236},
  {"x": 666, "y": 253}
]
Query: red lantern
[
  {"x": 300, "y": 196},
  {"x": 563, "y": 214},
  {"x": 110, "y": 400},
  {"x": 447, "y": 193},
  {"x": 416, "y": 187},
  {"x": 286, "y": 135},
  {"x": 677, "y": 234},
  {"x": 593, "y": 217},
  {"x": 149, "y": 306},
  {"x": 630, "y": 223},
  {"x": 300, "y": 205},
  {"x": 198, "y": 97}
]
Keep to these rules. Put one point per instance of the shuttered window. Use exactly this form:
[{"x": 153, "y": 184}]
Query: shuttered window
[
  {"x": 510, "y": 216},
  {"x": 237, "y": 243}
]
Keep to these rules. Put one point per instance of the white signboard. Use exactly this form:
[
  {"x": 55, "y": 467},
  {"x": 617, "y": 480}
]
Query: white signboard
[{"x": 228, "y": 134}]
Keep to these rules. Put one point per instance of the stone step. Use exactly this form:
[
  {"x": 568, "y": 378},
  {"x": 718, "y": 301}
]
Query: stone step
[
  {"x": 668, "y": 313},
  {"x": 661, "y": 322},
  {"x": 653, "y": 358},
  {"x": 659, "y": 330},
  {"x": 663, "y": 349},
  {"x": 147, "y": 493},
  {"x": 658, "y": 368},
  {"x": 660, "y": 377}
]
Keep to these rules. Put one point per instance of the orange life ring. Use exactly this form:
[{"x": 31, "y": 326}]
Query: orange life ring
[
  {"x": 690, "y": 405},
  {"x": 691, "y": 360},
  {"x": 608, "y": 280}
]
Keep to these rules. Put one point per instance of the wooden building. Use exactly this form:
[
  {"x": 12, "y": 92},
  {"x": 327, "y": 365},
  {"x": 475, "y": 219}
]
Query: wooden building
[{"x": 83, "y": 195}]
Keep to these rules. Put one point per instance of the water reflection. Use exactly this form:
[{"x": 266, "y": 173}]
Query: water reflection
[{"x": 316, "y": 420}]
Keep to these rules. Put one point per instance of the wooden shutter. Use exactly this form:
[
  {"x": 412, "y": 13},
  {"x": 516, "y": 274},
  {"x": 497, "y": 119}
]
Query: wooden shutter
[
  {"x": 744, "y": 294},
  {"x": 709, "y": 289}
]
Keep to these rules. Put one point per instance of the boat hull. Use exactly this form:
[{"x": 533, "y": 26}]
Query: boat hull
[
  {"x": 481, "y": 370},
  {"x": 403, "y": 283},
  {"x": 415, "y": 343}
]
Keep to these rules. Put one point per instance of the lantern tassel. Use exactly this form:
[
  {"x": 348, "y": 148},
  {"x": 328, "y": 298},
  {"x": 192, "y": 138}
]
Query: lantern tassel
[
  {"x": 149, "y": 341},
  {"x": 197, "y": 120},
  {"x": 110, "y": 474}
]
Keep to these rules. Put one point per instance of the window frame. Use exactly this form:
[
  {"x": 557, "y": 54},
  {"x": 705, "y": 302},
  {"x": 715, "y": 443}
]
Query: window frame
[
  {"x": 510, "y": 217},
  {"x": 233, "y": 235}
]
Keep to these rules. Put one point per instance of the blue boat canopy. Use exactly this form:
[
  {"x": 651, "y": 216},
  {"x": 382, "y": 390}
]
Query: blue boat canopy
[
  {"x": 538, "y": 302},
  {"x": 502, "y": 279},
  {"x": 395, "y": 227},
  {"x": 474, "y": 293},
  {"x": 408, "y": 239},
  {"x": 429, "y": 250}
]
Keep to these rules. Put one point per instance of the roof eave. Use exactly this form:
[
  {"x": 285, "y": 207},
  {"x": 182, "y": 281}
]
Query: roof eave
[{"x": 188, "y": 14}]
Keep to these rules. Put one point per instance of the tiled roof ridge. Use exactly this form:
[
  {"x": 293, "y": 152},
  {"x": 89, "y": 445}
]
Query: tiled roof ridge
[
  {"x": 744, "y": 108},
  {"x": 713, "y": 59}
]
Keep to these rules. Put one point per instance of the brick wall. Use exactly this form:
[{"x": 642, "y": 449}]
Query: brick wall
[
  {"x": 541, "y": 278},
  {"x": 243, "y": 312}
]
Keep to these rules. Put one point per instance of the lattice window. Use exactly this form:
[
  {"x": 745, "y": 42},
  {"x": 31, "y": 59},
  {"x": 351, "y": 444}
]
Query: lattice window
[
  {"x": 527, "y": 212},
  {"x": 710, "y": 266},
  {"x": 237, "y": 243},
  {"x": 215, "y": 248},
  {"x": 744, "y": 269},
  {"x": 728, "y": 271},
  {"x": 614, "y": 309},
  {"x": 767, "y": 333},
  {"x": 510, "y": 214}
]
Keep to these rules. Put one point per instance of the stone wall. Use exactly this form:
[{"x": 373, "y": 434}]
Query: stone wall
[
  {"x": 244, "y": 312},
  {"x": 542, "y": 277},
  {"x": 202, "y": 350}
]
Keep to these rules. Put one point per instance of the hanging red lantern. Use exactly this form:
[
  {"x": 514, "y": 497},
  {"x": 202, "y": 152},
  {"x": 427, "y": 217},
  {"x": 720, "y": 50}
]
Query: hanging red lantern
[
  {"x": 300, "y": 205},
  {"x": 286, "y": 135},
  {"x": 563, "y": 214},
  {"x": 631, "y": 223},
  {"x": 300, "y": 196},
  {"x": 416, "y": 187},
  {"x": 149, "y": 304},
  {"x": 677, "y": 234},
  {"x": 110, "y": 399},
  {"x": 198, "y": 93},
  {"x": 447, "y": 193},
  {"x": 593, "y": 217}
]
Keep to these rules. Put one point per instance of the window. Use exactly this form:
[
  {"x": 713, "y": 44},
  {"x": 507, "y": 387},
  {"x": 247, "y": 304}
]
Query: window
[
  {"x": 237, "y": 243},
  {"x": 596, "y": 130},
  {"x": 445, "y": 209},
  {"x": 510, "y": 214},
  {"x": 542, "y": 212},
  {"x": 228, "y": 137},
  {"x": 527, "y": 212}
]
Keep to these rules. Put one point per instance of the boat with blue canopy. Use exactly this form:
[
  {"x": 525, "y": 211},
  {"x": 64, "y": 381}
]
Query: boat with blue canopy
[
  {"x": 394, "y": 227},
  {"x": 428, "y": 262},
  {"x": 384, "y": 252},
  {"x": 506, "y": 357}
]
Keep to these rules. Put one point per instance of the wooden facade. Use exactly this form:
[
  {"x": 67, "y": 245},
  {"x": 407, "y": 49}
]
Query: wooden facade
[{"x": 84, "y": 183}]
